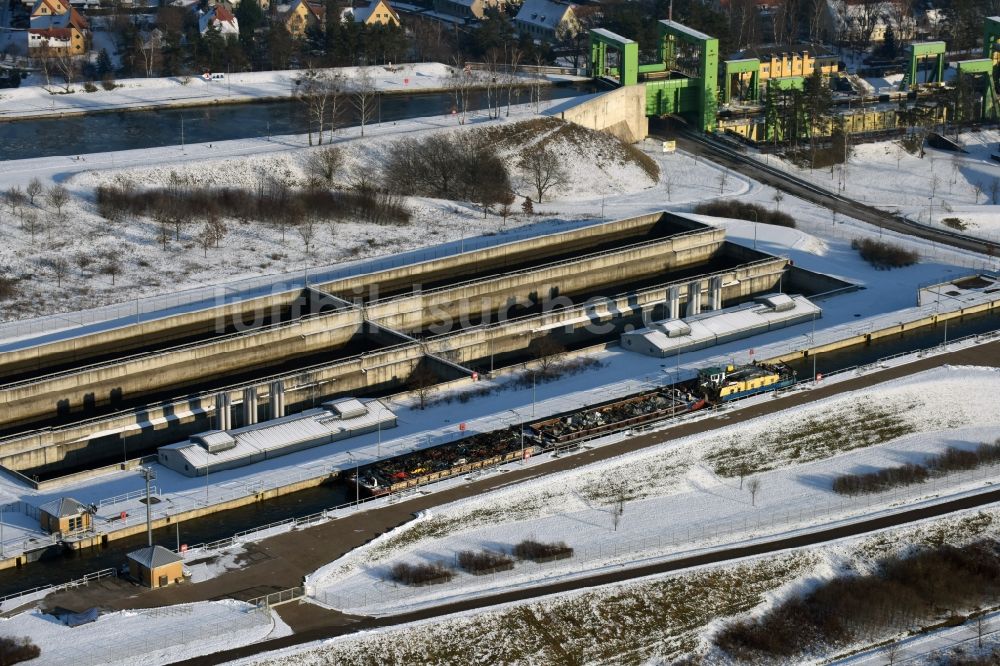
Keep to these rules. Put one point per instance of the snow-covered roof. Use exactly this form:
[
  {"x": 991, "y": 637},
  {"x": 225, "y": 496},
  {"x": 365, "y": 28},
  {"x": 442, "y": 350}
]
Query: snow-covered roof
[
  {"x": 220, "y": 17},
  {"x": 343, "y": 419},
  {"x": 679, "y": 27},
  {"x": 607, "y": 34},
  {"x": 154, "y": 557},
  {"x": 717, "y": 326},
  {"x": 361, "y": 14},
  {"x": 64, "y": 507},
  {"x": 543, "y": 13}
]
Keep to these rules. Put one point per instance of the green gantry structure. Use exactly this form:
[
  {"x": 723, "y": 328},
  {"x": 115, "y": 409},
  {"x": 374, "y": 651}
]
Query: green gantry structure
[
  {"x": 920, "y": 51},
  {"x": 683, "y": 81}
]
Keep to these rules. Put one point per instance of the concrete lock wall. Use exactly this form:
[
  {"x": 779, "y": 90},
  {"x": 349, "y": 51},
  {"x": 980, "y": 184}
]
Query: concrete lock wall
[
  {"x": 133, "y": 337},
  {"x": 450, "y": 305},
  {"x": 621, "y": 112},
  {"x": 498, "y": 256},
  {"x": 374, "y": 371},
  {"x": 515, "y": 336},
  {"x": 68, "y": 392}
]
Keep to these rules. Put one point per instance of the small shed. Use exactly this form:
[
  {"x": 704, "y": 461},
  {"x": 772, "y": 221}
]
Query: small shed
[
  {"x": 64, "y": 515},
  {"x": 155, "y": 566}
]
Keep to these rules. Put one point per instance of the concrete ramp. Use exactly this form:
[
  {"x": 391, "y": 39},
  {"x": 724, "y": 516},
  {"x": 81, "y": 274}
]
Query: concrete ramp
[{"x": 621, "y": 112}]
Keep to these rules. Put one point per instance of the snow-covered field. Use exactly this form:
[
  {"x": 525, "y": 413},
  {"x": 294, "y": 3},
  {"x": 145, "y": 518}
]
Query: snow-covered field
[
  {"x": 938, "y": 186},
  {"x": 655, "y": 620},
  {"x": 250, "y": 248},
  {"x": 794, "y": 456},
  {"x": 153, "y": 636}
]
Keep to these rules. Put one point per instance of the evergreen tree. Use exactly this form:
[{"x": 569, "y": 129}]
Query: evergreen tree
[
  {"x": 250, "y": 16},
  {"x": 104, "y": 66}
]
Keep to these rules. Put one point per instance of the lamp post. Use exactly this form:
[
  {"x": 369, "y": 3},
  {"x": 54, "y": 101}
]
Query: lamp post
[{"x": 148, "y": 474}]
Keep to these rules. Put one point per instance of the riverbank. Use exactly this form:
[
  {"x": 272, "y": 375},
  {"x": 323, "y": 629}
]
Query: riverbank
[{"x": 39, "y": 101}]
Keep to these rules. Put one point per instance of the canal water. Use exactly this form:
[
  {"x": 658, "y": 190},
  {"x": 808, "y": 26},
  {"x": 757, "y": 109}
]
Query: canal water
[
  {"x": 128, "y": 130},
  {"x": 68, "y": 566}
]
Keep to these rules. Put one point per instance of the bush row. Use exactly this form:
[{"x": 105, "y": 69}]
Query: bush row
[
  {"x": 884, "y": 256},
  {"x": 478, "y": 563},
  {"x": 745, "y": 211},
  {"x": 849, "y": 608},
  {"x": 276, "y": 204},
  {"x": 951, "y": 460}
]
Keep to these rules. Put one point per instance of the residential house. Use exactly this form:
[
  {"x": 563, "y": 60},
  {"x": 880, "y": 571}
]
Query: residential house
[
  {"x": 379, "y": 12},
  {"x": 220, "y": 17},
  {"x": 264, "y": 4},
  {"x": 299, "y": 16},
  {"x": 467, "y": 9},
  {"x": 545, "y": 20},
  {"x": 58, "y": 27}
]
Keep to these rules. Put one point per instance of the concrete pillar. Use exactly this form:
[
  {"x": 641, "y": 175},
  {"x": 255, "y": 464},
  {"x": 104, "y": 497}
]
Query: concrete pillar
[
  {"x": 249, "y": 406},
  {"x": 694, "y": 298},
  {"x": 674, "y": 301},
  {"x": 715, "y": 293},
  {"x": 222, "y": 412},
  {"x": 277, "y": 390}
]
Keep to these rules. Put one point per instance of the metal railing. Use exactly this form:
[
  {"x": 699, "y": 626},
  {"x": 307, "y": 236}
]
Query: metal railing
[
  {"x": 277, "y": 598},
  {"x": 49, "y": 589},
  {"x": 131, "y": 495}
]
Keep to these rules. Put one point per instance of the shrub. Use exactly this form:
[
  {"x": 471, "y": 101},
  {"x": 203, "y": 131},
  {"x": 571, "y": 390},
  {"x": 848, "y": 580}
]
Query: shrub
[
  {"x": 8, "y": 287},
  {"x": 89, "y": 86},
  {"x": 108, "y": 83},
  {"x": 16, "y": 650},
  {"x": 420, "y": 574},
  {"x": 537, "y": 551},
  {"x": 884, "y": 256},
  {"x": 848, "y": 608},
  {"x": 955, "y": 223},
  {"x": 484, "y": 562},
  {"x": 951, "y": 460},
  {"x": 745, "y": 211}
]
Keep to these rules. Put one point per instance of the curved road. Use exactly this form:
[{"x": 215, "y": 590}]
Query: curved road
[{"x": 725, "y": 155}]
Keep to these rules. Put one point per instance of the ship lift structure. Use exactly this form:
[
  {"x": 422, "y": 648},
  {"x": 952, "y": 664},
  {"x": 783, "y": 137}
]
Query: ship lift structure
[{"x": 683, "y": 79}]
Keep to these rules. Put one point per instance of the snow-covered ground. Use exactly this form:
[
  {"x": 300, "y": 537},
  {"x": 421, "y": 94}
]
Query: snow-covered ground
[
  {"x": 253, "y": 249},
  {"x": 40, "y": 100},
  {"x": 152, "y": 636},
  {"x": 654, "y": 620},
  {"x": 795, "y": 456},
  {"x": 963, "y": 188}
]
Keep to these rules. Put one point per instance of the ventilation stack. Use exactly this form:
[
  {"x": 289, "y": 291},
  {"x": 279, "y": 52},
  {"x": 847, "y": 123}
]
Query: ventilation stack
[
  {"x": 223, "y": 420},
  {"x": 694, "y": 298},
  {"x": 249, "y": 406},
  {"x": 674, "y": 301},
  {"x": 277, "y": 390}
]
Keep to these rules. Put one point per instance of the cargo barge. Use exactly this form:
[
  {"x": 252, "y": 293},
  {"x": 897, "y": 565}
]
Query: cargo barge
[{"x": 731, "y": 382}]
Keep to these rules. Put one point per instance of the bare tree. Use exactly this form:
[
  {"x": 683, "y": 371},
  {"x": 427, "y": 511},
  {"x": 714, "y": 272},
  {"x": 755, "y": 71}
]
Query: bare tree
[
  {"x": 980, "y": 629},
  {"x": 778, "y": 197},
  {"x": 58, "y": 197},
  {"x": 460, "y": 84},
  {"x": 544, "y": 170},
  {"x": 617, "y": 495},
  {"x": 995, "y": 190},
  {"x": 33, "y": 189},
  {"x": 16, "y": 198},
  {"x": 59, "y": 267},
  {"x": 753, "y": 486},
  {"x": 307, "y": 230},
  {"x": 547, "y": 352},
  {"x": 743, "y": 469},
  {"x": 206, "y": 237},
  {"x": 363, "y": 98},
  {"x": 149, "y": 49},
  {"x": 422, "y": 382},
  {"x": 111, "y": 267},
  {"x": 29, "y": 222},
  {"x": 977, "y": 189},
  {"x": 511, "y": 79},
  {"x": 320, "y": 93},
  {"x": 892, "y": 652},
  {"x": 506, "y": 207},
  {"x": 323, "y": 164}
]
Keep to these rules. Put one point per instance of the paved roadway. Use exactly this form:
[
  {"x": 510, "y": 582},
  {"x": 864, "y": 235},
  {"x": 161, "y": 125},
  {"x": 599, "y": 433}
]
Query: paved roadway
[
  {"x": 282, "y": 561},
  {"x": 737, "y": 161}
]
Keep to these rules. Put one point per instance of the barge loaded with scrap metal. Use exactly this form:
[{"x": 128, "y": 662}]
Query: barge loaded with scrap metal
[{"x": 714, "y": 385}]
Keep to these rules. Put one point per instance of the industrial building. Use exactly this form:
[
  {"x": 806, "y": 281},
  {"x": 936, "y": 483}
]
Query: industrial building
[{"x": 218, "y": 450}]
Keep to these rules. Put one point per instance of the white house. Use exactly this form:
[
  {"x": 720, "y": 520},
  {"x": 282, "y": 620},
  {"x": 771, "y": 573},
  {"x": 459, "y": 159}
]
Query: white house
[{"x": 546, "y": 20}]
